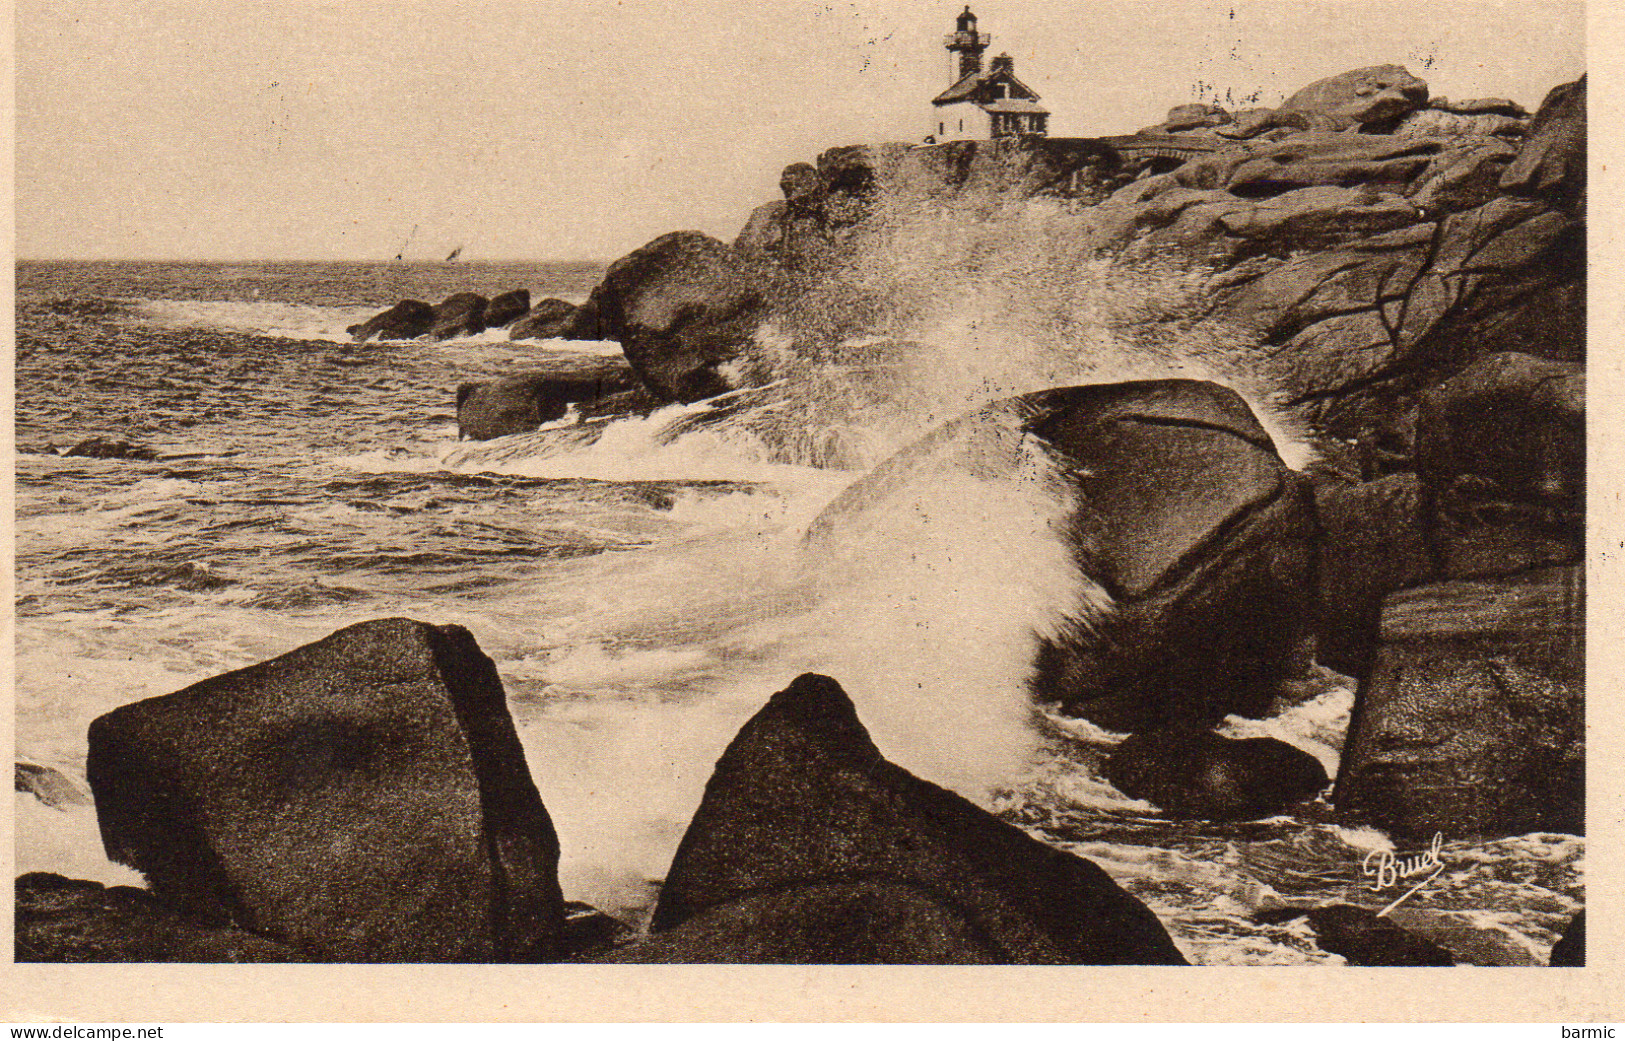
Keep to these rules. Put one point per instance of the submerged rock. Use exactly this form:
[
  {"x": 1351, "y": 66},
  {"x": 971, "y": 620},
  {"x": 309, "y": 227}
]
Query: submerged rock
[
  {"x": 407, "y": 320},
  {"x": 102, "y": 448},
  {"x": 362, "y": 798},
  {"x": 518, "y": 404},
  {"x": 811, "y": 848},
  {"x": 50, "y": 786},
  {"x": 67, "y": 920},
  {"x": 1201, "y": 775},
  {"x": 1363, "y": 938}
]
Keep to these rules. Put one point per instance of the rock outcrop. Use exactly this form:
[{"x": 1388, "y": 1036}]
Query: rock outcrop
[
  {"x": 1372, "y": 95},
  {"x": 460, "y": 314},
  {"x": 1472, "y": 721},
  {"x": 685, "y": 308},
  {"x": 506, "y": 307},
  {"x": 1551, "y": 166},
  {"x": 810, "y": 847},
  {"x": 407, "y": 320},
  {"x": 363, "y": 798},
  {"x": 551, "y": 319},
  {"x": 516, "y": 404},
  {"x": 1201, "y": 775}
]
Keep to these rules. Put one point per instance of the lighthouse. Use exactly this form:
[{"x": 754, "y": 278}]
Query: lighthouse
[
  {"x": 965, "y": 46},
  {"x": 979, "y": 105}
]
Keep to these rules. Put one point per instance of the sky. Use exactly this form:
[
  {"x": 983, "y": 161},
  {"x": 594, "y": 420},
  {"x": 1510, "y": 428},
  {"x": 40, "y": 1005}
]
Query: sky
[{"x": 305, "y": 129}]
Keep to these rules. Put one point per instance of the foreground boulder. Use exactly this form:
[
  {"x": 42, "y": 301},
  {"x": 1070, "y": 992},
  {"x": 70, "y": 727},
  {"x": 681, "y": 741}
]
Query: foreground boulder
[
  {"x": 809, "y": 847},
  {"x": 1202, "y": 775},
  {"x": 1472, "y": 721},
  {"x": 362, "y": 798},
  {"x": 68, "y": 920},
  {"x": 683, "y": 308},
  {"x": 407, "y": 320},
  {"x": 518, "y": 404}
]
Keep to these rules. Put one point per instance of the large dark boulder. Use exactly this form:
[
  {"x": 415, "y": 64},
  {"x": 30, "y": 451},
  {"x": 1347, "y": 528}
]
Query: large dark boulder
[
  {"x": 809, "y": 847},
  {"x": 1187, "y": 518},
  {"x": 460, "y": 314},
  {"x": 517, "y": 404},
  {"x": 1201, "y": 775},
  {"x": 682, "y": 307},
  {"x": 362, "y": 798},
  {"x": 548, "y": 320},
  {"x": 1376, "y": 94},
  {"x": 407, "y": 320},
  {"x": 507, "y": 307},
  {"x": 68, "y": 920},
  {"x": 1175, "y": 507},
  {"x": 1472, "y": 721},
  {"x": 1552, "y": 163}
]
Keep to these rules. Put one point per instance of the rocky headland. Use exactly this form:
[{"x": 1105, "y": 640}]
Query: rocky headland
[{"x": 1405, "y": 278}]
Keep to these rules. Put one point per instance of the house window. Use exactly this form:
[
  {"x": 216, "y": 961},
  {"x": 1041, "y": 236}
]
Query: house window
[
  {"x": 941, "y": 130},
  {"x": 961, "y": 126}
]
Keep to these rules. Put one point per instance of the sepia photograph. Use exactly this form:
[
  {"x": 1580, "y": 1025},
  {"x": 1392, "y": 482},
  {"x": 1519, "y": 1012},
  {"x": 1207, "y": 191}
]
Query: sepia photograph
[{"x": 1070, "y": 483}]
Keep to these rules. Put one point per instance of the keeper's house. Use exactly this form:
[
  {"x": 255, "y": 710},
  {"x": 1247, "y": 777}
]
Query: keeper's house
[{"x": 982, "y": 105}]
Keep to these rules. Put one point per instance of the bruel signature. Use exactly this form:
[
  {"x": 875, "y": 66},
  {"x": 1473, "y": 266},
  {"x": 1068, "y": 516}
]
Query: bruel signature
[{"x": 1390, "y": 870}]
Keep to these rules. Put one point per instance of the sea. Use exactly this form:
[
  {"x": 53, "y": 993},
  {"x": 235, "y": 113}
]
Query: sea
[{"x": 643, "y": 587}]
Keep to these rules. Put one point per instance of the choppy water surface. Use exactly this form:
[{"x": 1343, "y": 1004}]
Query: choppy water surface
[{"x": 642, "y": 592}]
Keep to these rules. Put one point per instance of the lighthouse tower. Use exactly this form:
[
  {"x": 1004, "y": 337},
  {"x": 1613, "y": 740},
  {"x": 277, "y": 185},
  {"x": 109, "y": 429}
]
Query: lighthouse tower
[
  {"x": 965, "y": 46},
  {"x": 978, "y": 105}
]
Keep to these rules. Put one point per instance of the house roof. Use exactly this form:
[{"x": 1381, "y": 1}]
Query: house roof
[
  {"x": 1013, "y": 105},
  {"x": 971, "y": 86}
]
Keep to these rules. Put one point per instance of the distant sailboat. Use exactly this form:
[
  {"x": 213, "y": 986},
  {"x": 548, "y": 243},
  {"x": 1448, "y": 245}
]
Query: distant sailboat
[
  {"x": 402, "y": 254},
  {"x": 454, "y": 254}
]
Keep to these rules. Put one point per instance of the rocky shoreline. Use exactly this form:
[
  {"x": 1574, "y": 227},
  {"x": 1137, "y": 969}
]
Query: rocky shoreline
[{"x": 1408, "y": 276}]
